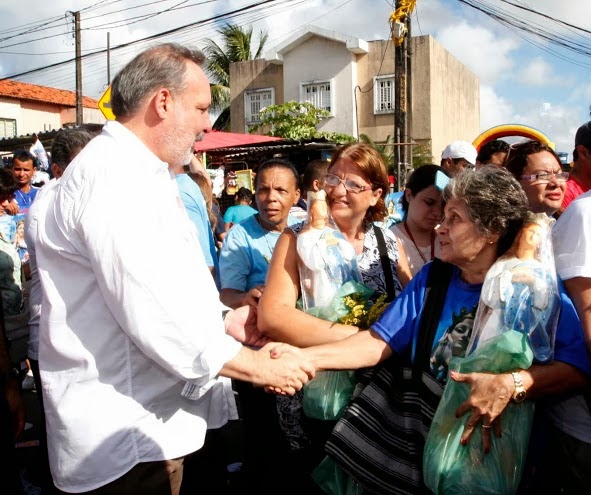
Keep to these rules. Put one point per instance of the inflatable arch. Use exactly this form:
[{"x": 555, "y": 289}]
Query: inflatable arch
[{"x": 501, "y": 131}]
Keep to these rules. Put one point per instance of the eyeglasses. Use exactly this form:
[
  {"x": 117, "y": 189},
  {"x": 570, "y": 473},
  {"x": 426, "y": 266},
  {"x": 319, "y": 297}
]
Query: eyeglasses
[
  {"x": 545, "y": 177},
  {"x": 351, "y": 186}
]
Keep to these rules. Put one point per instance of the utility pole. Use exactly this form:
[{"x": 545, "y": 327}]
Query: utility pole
[
  {"x": 79, "y": 112},
  {"x": 400, "y": 23},
  {"x": 108, "y": 58}
]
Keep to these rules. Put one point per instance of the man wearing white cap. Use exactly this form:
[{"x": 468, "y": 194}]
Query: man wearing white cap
[{"x": 458, "y": 155}]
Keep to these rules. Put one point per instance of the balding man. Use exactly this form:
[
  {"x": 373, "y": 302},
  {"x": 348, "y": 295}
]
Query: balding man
[{"x": 133, "y": 339}]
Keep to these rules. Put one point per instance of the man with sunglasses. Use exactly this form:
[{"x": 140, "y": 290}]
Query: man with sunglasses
[{"x": 580, "y": 175}]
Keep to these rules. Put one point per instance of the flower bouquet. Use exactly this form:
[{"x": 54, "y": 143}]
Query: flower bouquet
[{"x": 515, "y": 324}]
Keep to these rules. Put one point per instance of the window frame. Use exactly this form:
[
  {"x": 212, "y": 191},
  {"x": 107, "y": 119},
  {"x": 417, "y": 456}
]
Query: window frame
[
  {"x": 247, "y": 102},
  {"x": 3, "y": 121},
  {"x": 377, "y": 95},
  {"x": 303, "y": 84}
]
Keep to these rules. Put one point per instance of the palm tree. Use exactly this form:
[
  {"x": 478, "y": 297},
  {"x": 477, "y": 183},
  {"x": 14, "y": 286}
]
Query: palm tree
[{"x": 235, "y": 46}]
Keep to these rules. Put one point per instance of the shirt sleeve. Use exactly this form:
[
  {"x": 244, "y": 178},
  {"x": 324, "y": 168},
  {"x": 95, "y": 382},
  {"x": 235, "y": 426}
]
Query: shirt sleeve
[
  {"x": 229, "y": 215},
  {"x": 571, "y": 238},
  {"x": 235, "y": 264},
  {"x": 397, "y": 325},
  {"x": 569, "y": 346}
]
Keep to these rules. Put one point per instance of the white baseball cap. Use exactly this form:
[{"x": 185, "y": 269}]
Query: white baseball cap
[{"x": 460, "y": 149}]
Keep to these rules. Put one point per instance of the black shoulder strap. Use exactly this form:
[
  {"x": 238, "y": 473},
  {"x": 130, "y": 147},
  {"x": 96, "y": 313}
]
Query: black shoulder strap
[
  {"x": 437, "y": 283},
  {"x": 386, "y": 266}
]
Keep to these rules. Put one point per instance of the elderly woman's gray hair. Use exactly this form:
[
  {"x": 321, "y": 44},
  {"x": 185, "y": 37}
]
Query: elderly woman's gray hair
[{"x": 495, "y": 201}]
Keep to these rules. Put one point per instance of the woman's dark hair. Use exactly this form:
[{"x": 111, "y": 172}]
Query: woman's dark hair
[
  {"x": 7, "y": 183},
  {"x": 495, "y": 202},
  {"x": 277, "y": 163},
  {"x": 487, "y": 150},
  {"x": 373, "y": 169},
  {"x": 516, "y": 160},
  {"x": 420, "y": 179}
]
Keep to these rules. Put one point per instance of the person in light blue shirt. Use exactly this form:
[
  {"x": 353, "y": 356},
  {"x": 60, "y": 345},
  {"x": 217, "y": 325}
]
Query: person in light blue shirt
[
  {"x": 241, "y": 210},
  {"x": 248, "y": 246}
]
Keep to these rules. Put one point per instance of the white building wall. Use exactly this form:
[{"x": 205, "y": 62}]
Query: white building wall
[
  {"x": 39, "y": 117},
  {"x": 320, "y": 59},
  {"x": 10, "y": 109}
]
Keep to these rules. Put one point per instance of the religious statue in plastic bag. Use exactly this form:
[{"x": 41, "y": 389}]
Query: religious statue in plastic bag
[
  {"x": 327, "y": 265},
  {"x": 514, "y": 326},
  {"x": 327, "y": 259}
]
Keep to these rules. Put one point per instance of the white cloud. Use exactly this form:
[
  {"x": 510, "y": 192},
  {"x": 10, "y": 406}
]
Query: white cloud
[
  {"x": 494, "y": 109},
  {"x": 538, "y": 72},
  {"x": 482, "y": 51}
]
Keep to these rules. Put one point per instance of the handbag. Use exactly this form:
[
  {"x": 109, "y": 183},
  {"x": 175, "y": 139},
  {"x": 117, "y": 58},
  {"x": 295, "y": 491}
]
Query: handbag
[{"x": 379, "y": 441}]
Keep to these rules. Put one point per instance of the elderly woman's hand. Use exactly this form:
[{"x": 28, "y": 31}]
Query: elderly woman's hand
[{"x": 489, "y": 395}]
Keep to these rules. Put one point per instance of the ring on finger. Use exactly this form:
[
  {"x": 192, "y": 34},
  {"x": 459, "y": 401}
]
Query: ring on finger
[{"x": 486, "y": 427}]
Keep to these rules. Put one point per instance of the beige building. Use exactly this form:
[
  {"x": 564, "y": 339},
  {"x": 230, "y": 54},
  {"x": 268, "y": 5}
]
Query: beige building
[
  {"x": 30, "y": 108},
  {"x": 353, "y": 80}
]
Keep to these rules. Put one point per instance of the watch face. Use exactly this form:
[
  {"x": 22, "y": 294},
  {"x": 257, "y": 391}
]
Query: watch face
[{"x": 519, "y": 397}]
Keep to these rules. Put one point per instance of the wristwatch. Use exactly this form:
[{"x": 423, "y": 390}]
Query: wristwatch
[{"x": 519, "y": 393}]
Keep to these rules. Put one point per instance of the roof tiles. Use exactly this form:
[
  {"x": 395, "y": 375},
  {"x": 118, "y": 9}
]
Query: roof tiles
[{"x": 33, "y": 92}]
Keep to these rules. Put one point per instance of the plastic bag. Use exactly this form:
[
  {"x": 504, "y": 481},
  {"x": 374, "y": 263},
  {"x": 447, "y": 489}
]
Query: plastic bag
[
  {"x": 333, "y": 480},
  {"x": 327, "y": 395},
  {"x": 452, "y": 469}
]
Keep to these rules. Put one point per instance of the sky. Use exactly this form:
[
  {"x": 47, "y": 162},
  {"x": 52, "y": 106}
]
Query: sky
[{"x": 523, "y": 79}]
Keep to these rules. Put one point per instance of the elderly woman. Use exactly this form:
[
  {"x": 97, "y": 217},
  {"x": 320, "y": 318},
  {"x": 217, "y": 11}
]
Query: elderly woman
[
  {"x": 538, "y": 169},
  {"x": 484, "y": 210},
  {"x": 423, "y": 208}
]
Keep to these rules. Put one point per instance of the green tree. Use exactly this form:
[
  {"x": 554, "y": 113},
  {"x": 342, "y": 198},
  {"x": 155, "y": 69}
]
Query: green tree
[
  {"x": 296, "y": 120},
  {"x": 236, "y": 46}
]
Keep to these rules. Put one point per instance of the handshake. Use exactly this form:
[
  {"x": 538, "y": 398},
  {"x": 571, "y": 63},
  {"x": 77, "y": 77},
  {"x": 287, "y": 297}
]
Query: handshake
[{"x": 280, "y": 368}]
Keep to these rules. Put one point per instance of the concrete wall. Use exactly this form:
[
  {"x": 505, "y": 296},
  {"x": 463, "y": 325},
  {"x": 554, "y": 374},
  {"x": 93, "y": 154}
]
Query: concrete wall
[
  {"x": 377, "y": 126},
  {"x": 253, "y": 74},
  {"x": 89, "y": 116},
  {"x": 454, "y": 99},
  {"x": 321, "y": 59}
]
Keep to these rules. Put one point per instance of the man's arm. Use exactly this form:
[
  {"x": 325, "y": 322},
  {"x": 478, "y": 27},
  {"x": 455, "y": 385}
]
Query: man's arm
[{"x": 579, "y": 289}]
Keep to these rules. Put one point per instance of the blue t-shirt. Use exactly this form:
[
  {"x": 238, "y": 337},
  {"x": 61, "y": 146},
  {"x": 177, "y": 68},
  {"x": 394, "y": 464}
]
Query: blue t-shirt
[
  {"x": 246, "y": 253},
  {"x": 194, "y": 202},
  {"x": 399, "y": 324},
  {"x": 238, "y": 213}
]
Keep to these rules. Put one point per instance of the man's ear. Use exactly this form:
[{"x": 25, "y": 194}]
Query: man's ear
[
  {"x": 56, "y": 170},
  {"x": 163, "y": 102},
  {"x": 297, "y": 197}
]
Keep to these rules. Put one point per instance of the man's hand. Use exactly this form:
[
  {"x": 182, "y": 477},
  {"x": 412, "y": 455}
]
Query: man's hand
[
  {"x": 11, "y": 208},
  {"x": 489, "y": 395},
  {"x": 241, "y": 324},
  {"x": 252, "y": 297},
  {"x": 286, "y": 375}
]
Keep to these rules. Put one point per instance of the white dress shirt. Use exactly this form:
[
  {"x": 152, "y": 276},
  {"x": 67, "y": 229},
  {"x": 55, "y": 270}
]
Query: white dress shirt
[{"x": 130, "y": 314}]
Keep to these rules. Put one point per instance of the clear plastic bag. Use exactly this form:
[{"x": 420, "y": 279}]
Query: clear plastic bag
[{"x": 327, "y": 395}]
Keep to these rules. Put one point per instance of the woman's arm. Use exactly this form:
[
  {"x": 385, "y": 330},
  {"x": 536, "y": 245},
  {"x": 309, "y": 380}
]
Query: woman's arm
[
  {"x": 404, "y": 273},
  {"x": 278, "y": 317}
]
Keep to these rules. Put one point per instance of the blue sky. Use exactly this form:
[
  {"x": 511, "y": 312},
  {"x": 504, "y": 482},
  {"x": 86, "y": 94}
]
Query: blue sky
[{"x": 520, "y": 83}]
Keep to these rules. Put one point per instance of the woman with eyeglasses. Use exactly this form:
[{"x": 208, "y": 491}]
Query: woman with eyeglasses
[
  {"x": 538, "y": 169},
  {"x": 356, "y": 184}
]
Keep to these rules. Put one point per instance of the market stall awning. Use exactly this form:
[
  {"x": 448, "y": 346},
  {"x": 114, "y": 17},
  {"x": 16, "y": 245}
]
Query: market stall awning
[{"x": 218, "y": 139}]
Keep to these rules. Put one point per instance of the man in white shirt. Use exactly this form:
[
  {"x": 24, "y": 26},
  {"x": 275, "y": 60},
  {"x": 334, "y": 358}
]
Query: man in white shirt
[
  {"x": 571, "y": 238},
  {"x": 131, "y": 334}
]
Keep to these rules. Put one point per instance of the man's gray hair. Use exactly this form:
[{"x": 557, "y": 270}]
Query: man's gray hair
[
  {"x": 495, "y": 201},
  {"x": 163, "y": 66}
]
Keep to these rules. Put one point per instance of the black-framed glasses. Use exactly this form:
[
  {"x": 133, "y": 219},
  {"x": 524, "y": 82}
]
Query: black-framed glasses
[
  {"x": 351, "y": 186},
  {"x": 545, "y": 177}
]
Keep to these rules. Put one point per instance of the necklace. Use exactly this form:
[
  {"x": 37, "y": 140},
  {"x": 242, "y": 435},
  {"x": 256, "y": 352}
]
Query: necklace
[{"x": 410, "y": 236}]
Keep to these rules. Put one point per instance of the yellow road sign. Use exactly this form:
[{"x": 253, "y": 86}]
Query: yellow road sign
[{"x": 105, "y": 104}]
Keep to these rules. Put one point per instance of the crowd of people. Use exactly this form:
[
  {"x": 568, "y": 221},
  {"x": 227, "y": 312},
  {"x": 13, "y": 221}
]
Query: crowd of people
[{"x": 150, "y": 313}]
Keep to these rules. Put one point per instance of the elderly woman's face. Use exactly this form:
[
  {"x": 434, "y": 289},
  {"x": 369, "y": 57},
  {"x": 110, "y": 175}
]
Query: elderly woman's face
[
  {"x": 543, "y": 196},
  {"x": 458, "y": 236}
]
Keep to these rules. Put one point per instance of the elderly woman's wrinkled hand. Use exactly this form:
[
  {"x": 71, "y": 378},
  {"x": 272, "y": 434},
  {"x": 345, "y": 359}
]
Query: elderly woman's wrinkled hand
[{"x": 489, "y": 395}]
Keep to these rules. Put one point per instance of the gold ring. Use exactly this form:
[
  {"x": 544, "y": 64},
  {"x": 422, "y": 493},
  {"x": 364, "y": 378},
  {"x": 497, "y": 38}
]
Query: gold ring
[{"x": 484, "y": 427}]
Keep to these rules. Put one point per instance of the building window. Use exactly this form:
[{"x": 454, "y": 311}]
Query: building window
[
  {"x": 7, "y": 128},
  {"x": 255, "y": 101},
  {"x": 383, "y": 90},
  {"x": 319, "y": 93}
]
